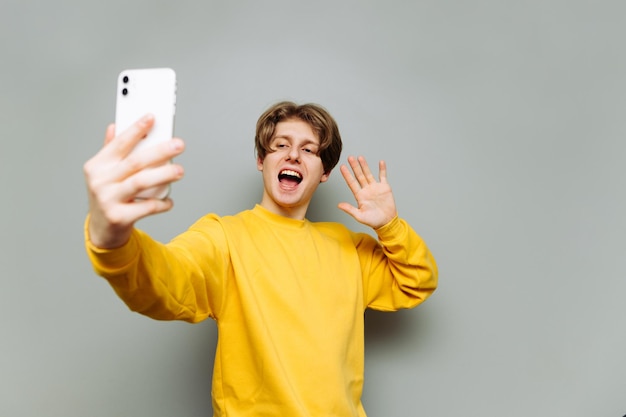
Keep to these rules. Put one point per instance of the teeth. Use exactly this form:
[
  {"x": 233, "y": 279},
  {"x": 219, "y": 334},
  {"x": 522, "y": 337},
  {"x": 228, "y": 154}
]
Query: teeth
[{"x": 290, "y": 173}]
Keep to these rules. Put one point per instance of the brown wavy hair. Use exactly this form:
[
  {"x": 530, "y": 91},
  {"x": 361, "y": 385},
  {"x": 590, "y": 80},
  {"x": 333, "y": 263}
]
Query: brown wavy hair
[{"x": 321, "y": 122}]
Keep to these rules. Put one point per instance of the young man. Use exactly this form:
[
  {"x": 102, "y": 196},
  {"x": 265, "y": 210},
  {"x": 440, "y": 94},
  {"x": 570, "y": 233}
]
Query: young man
[{"x": 288, "y": 295}]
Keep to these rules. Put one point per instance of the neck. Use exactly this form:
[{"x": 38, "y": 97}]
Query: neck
[{"x": 296, "y": 212}]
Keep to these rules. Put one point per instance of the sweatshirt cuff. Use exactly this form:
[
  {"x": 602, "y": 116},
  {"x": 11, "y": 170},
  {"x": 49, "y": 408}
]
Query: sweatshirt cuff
[
  {"x": 391, "y": 230},
  {"x": 111, "y": 260}
]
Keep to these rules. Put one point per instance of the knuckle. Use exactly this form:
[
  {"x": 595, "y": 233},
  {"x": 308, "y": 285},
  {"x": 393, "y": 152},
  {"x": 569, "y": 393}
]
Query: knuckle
[
  {"x": 155, "y": 206},
  {"x": 112, "y": 214},
  {"x": 115, "y": 219},
  {"x": 137, "y": 183},
  {"x": 133, "y": 164},
  {"x": 88, "y": 168}
]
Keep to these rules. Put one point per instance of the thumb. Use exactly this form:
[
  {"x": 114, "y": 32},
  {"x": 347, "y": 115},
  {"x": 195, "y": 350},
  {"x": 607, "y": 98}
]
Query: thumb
[
  {"x": 348, "y": 208},
  {"x": 110, "y": 134}
]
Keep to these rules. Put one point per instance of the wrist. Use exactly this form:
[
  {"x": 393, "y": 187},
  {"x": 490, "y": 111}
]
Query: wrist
[{"x": 103, "y": 237}]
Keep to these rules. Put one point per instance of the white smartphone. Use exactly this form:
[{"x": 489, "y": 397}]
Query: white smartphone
[{"x": 141, "y": 91}]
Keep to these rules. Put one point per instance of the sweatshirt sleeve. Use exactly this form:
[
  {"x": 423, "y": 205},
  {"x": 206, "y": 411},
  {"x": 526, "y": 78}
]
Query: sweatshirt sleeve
[
  {"x": 166, "y": 281},
  {"x": 399, "y": 270}
]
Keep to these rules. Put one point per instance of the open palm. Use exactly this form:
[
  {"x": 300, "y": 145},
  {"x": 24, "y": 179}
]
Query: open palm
[{"x": 375, "y": 203}]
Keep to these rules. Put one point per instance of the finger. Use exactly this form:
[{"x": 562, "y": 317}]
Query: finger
[
  {"x": 96, "y": 160},
  {"x": 125, "y": 141},
  {"x": 149, "y": 178},
  {"x": 109, "y": 134},
  {"x": 99, "y": 172},
  {"x": 91, "y": 165},
  {"x": 366, "y": 170},
  {"x": 382, "y": 169},
  {"x": 358, "y": 171},
  {"x": 143, "y": 208},
  {"x": 150, "y": 156},
  {"x": 349, "y": 209},
  {"x": 353, "y": 184}
]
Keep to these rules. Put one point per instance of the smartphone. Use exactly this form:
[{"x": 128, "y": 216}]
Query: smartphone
[{"x": 141, "y": 91}]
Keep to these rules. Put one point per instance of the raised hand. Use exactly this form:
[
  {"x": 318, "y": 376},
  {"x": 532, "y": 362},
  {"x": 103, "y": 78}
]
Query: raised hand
[
  {"x": 375, "y": 204},
  {"x": 114, "y": 177}
]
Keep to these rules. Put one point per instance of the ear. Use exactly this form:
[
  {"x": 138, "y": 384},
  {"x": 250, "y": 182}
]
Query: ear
[
  {"x": 259, "y": 163},
  {"x": 325, "y": 177}
]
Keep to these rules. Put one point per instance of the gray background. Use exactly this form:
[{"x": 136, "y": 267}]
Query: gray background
[{"x": 502, "y": 125}]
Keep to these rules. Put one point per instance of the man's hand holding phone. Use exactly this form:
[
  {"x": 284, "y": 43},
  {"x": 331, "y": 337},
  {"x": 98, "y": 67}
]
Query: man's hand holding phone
[{"x": 116, "y": 175}]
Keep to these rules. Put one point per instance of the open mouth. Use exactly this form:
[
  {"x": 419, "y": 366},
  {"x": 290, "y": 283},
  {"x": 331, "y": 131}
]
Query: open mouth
[{"x": 288, "y": 175}]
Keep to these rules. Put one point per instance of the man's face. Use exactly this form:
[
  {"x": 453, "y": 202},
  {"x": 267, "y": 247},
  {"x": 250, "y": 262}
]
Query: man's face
[{"x": 293, "y": 170}]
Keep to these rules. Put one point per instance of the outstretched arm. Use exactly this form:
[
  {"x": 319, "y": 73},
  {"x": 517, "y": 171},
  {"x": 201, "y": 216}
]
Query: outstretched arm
[{"x": 375, "y": 203}]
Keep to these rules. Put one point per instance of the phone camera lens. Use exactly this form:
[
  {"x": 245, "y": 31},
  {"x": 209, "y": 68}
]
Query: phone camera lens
[
  {"x": 124, "y": 91},
  {"x": 125, "y": 79}
]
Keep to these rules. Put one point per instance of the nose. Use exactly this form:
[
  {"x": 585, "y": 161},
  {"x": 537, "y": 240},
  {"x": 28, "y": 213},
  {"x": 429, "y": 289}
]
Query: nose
[{"x": 293, "y": 154}]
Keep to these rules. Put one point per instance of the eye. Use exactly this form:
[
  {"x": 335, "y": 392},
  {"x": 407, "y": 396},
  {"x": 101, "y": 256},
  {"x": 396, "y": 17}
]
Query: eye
[{"x": 280, "y": 145}]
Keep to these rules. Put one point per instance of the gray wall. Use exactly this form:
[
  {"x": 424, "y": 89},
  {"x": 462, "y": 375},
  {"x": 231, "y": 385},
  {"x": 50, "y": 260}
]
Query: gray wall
[{"x": 502, "y": 123}]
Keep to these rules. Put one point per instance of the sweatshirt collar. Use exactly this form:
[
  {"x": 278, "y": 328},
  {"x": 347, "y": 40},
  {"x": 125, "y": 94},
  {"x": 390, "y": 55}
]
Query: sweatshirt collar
[{"x": 277, "y": 219}]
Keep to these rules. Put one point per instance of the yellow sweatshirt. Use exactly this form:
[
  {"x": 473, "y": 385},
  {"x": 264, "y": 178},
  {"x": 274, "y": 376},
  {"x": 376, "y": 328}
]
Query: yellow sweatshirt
[{"x": 288, "y": 297}]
